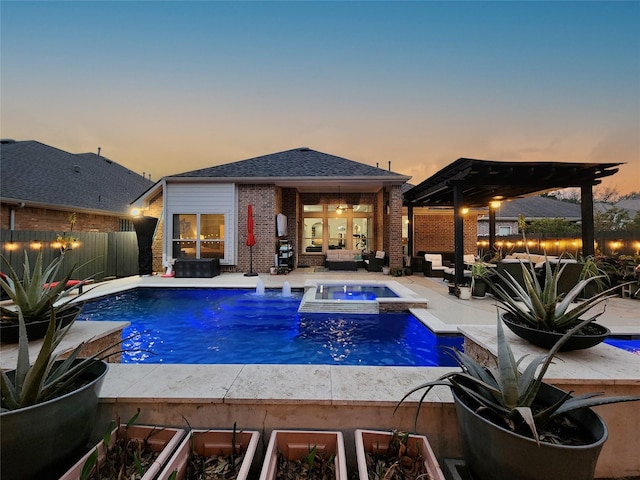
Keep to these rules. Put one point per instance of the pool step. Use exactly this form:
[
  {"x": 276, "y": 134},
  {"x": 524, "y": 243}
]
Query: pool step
[{"x": 309, "y": 305}]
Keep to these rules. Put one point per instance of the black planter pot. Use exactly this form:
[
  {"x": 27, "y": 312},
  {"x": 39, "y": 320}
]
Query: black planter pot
[
  {"x": 545, "y": 339},
  {"x": 494, "y": 453},
  {"x": 35, "y": 439},
  {"x": 36, "y": 330},
  {"x": 479, "y": 288}
]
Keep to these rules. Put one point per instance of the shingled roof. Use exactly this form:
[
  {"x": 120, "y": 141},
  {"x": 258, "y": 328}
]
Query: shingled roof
[
  {"x": 536, "y": 207},
  {"x": 40, "y": 175},
  {"x": 299, "y": 162}
]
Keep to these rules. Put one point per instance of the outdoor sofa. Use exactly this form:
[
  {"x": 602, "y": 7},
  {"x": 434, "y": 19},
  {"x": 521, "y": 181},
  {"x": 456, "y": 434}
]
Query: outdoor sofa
[{"x": 341, "y": 259}]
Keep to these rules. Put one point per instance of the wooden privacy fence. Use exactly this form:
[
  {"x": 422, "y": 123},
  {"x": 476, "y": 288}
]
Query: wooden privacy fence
[{"x": 100, "y": 255}]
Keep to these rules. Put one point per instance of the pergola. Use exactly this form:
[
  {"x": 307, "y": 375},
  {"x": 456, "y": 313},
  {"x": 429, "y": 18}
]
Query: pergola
[{"x": 476, "y": 183}]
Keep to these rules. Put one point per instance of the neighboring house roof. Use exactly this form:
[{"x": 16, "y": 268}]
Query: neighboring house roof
[
  {"x": 537, "y": 207},
  {"x": 297, "y": 163},
  {"x": 631, "y": 205},
  {"x": 40, "y": 175}
]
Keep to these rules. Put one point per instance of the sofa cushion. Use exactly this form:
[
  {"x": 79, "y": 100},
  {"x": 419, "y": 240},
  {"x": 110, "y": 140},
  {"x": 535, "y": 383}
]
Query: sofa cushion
[{"x": 434, "y": 258}]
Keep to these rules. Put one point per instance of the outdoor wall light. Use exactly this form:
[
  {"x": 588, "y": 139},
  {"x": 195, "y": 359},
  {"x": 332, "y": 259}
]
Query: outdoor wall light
[
  {"x": 36, "y": 245},
  {"x": 495, "y": 204},
  {"x": 11, "y": 246},
  {"x": 464, "y": 210}
]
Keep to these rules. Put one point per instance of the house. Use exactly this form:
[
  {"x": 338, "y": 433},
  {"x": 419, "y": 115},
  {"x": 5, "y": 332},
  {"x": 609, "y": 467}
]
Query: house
[
  {"x": 40, "y": 186},
  {"x": 533, "y": 208},
  {"x": 324, "y": 202}
]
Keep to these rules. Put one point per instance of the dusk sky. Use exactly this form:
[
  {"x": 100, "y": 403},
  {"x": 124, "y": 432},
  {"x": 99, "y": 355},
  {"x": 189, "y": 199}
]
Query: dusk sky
[{"x": 165, "y": 87}]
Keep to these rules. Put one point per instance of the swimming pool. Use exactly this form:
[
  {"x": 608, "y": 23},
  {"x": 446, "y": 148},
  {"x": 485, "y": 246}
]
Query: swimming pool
[
  {"x": 629, "y": 344},
  {"x": 231, "y": 326}
]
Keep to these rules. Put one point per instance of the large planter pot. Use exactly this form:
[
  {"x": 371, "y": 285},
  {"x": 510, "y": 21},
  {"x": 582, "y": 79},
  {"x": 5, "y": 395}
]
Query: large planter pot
[
  {"x": 373, "y": 441},
  {"x": 38, "y": 329},
  {"x": 495, "y": 453},
  {"x": 160, "y": 439},
  {"x": 296, "y": 445},
  {"x": 547, "y": 340},
  {"x": 209, "y": 443},
  {"x": 36, "y": 438}
]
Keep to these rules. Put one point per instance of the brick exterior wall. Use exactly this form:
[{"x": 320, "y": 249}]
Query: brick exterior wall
[
  {"x": 393, "y": 228},
  {"x": 43, "y": 219},
  {"x": 266, "y": 200},
  {"x": 433, "y": 232}
]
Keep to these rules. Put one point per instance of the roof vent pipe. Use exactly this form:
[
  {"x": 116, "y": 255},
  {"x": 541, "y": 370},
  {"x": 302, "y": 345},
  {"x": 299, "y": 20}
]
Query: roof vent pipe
[
  {"x": 389, "y": 165},
  {"x": 99, "y": 151}
]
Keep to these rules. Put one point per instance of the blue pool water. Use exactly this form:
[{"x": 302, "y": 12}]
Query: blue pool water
[
  {"x": 630, "y": 344},
  {"x": 222, "y": 326}
]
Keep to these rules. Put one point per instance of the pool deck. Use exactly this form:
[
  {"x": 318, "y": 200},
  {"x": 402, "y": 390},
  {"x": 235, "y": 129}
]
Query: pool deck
[{"x": 348, "y": 397}]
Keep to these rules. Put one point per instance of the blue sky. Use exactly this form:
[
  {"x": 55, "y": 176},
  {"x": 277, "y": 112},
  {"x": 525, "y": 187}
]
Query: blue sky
[{"x": 166, "y": 87}]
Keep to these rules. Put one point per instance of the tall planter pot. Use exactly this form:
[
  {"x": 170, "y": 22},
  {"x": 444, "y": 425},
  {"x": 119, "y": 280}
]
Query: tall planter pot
[
  {"x": 35, "y": 439},
  {"x": 494, "y": 453}
]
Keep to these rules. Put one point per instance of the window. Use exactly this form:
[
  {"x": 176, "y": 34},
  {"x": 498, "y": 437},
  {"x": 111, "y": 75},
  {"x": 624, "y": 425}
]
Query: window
[
  {"x": 504, "y": 231},
  {"x": 327, "y": 227},
  {"x": 198, "y": 235}
]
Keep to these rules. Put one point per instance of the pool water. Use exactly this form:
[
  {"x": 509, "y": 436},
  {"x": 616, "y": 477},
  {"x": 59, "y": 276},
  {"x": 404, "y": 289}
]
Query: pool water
[
  {"x": 354, "y": 292},
  {"x": 629, "y": 344},
  {"x": 222, "y": 326}
]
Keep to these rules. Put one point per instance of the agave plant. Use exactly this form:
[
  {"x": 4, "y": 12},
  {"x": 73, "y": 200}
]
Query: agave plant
[
  {"x": 37, "y": 292},
  {"x": 47, "y": 378},
  {"x": 544, "y": 308},
  {"x": 509, "y": 393}
]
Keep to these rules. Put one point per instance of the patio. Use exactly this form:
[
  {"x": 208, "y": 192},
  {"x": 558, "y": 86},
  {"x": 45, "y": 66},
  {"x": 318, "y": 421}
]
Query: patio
[{"x": 265, "y": 397}]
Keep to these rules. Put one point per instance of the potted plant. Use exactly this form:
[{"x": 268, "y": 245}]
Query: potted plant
[
  {"x": 48, "y": 407},
  {"x": 225, "y": 453},
  {"x": 479, "y": 273},
  {"x": 128, "y": 451},
  {"x": 394, "y": 455},
  {"x": 541, "y": 315},
  {"x": 305, "y": 454},
  {"x": 513, "y": 425},
  {"x": 34, "y": 295}
]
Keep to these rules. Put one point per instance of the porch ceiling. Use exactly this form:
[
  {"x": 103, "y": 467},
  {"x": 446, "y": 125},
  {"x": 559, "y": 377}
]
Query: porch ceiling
[{"x": 483, "y": 181}]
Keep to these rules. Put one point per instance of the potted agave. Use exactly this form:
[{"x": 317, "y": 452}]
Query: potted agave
[
  {"x": 540, "y": 314},
  {"x": 34, "y": 295},
  {"x": 48, "y": 407},
  {"x": 479, "y": 273},
  {"x": 513, "y": 425}
]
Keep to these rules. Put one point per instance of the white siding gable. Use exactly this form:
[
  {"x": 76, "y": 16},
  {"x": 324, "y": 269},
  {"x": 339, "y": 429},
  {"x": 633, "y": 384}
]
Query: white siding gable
[{"x": 218, "y": 198}]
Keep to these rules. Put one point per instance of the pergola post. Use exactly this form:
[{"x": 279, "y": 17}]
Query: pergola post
[
  {"x": 458, "y": 233},
  {"x": 492, "y": 228},
  {"x": 410, "y": 231},
  {"x": 586, "y": 212}
]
